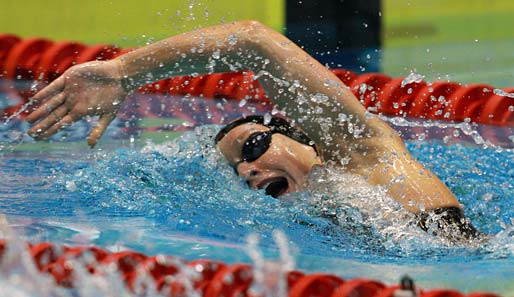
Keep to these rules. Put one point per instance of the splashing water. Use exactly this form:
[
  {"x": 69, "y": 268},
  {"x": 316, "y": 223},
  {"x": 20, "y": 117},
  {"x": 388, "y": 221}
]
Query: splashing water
[
  {"x": 160, "y": 198},
  {"x": 411, "y": 78},
  {"x": 187, "y": 175},
  {"x": 270, "y": 276},
  {"x": 20, "y": 276},
  {"x": 501, "y": 92},
  {"x": 185, "y": 190}
]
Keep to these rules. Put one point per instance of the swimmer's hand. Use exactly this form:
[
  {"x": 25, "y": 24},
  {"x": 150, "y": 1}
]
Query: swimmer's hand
[{"x": 89, "y": 89}]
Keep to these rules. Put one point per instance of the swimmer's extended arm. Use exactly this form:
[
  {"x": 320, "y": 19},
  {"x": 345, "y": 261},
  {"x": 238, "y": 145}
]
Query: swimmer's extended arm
[{"x": 307, "y": 91}]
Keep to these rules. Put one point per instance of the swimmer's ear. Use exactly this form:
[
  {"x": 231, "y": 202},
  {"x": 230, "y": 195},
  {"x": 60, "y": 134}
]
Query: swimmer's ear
[{"x": 97, "y": 131}]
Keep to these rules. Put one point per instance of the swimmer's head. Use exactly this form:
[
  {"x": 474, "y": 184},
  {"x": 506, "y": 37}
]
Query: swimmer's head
[{"x": 273, "y": 155}]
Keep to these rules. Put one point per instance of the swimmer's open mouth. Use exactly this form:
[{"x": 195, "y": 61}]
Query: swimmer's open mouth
[{"x": 276, "y": 187}]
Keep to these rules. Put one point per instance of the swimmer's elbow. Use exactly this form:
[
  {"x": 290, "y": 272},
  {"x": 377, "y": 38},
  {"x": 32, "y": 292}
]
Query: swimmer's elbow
[
  {"x": 255, "y": 32},
  {"x": 250, "y": 24}
]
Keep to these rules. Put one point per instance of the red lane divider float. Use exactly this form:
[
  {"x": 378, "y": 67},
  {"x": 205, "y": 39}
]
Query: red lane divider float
[
  {"x": 7, "y": 41},
  {"x": 212, "y": 278},
  {"x": 24, "y": 58},
  {"x": 44, "y": 60},
  {"x": 56, "y": 59}
]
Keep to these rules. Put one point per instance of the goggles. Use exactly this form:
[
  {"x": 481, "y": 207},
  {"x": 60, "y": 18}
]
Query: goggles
[
  {"x": 259, "y": 142},
  {"x": 255, "y": 146}
]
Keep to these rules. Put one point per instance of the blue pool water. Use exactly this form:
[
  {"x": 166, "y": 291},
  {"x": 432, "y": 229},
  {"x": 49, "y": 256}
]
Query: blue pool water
[{"x": 172, "y": 194}]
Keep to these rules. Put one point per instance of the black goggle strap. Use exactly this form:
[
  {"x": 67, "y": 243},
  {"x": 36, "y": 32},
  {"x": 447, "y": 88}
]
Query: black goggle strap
[{"x": 293, "y": 133}]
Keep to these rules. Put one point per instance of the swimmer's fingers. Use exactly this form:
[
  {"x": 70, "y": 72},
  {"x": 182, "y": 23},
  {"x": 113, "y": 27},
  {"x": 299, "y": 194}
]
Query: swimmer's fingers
[
  {"x": 48, "y": 121},
  {"x": 51, "y": 90},
  {"x": 66, "y": 121},
  {"x": 47, "y": 108},
  {"x": 97, "y": 131}
]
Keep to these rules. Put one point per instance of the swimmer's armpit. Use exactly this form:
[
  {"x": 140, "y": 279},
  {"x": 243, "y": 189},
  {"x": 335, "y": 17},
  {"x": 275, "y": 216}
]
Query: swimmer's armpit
[{"x": 448, "y": 222}]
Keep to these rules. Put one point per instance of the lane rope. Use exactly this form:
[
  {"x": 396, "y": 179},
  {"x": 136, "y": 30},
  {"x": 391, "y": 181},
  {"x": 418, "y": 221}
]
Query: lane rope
[
  {"x": 44, "y": 60},
  {"x": 210, "y": 278}
]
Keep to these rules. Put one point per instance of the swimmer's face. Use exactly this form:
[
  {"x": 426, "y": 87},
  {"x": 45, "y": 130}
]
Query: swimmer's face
[{"x": 283, "y": 168}]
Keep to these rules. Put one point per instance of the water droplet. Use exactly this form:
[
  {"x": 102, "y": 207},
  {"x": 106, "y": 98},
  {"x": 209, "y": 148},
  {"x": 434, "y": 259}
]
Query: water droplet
[
  {"x": 71, "y": 186},
  {"x": 487, "y": 197},
  {"x": 275, "y": 110},
  {"x": 267, "y": 118},
  {"x": 216, "y": 54},
  {"x": 232, "y": 39},
  {"x": 398, "y": 179},
  {"x": 362, "y": 88},
  {"x": 501, "y": 92},
  {"x": 228, "y": 279},
  {"x": 412, "y": 78}
]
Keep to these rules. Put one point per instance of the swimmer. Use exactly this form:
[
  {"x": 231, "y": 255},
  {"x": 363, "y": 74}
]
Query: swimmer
[{"x": 272, "y": 155}]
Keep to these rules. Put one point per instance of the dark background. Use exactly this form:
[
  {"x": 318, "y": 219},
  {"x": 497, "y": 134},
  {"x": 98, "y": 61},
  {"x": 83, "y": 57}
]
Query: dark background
[{"x": 338, "y": 33}]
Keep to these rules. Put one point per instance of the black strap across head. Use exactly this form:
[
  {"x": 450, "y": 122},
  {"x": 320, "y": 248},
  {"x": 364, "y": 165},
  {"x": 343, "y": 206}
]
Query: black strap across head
[{"x": 275, "y": 124}]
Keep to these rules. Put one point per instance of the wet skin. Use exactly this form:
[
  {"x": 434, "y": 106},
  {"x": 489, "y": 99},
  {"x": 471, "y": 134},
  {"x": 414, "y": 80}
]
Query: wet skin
[
  {"x": 285, "y": 160},
  {"x": 99, "y": 88}
]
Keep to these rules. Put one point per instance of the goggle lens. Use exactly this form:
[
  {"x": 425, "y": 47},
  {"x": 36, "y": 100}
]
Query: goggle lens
[{"x": 256, "y": 145}]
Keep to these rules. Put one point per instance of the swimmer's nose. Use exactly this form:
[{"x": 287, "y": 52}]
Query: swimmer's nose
[{"x": 247, "y": 170}]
